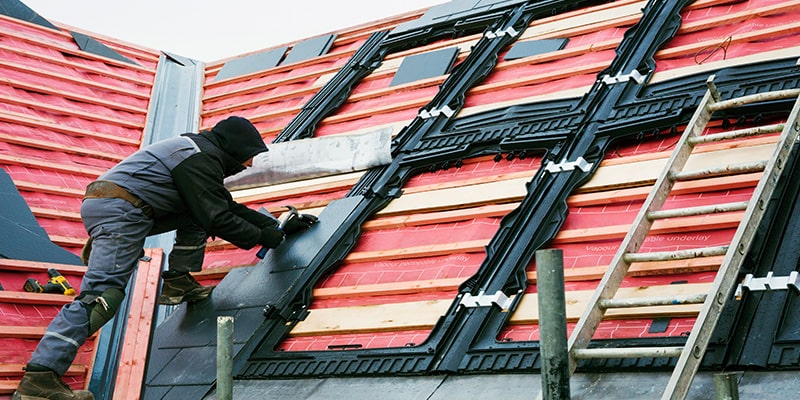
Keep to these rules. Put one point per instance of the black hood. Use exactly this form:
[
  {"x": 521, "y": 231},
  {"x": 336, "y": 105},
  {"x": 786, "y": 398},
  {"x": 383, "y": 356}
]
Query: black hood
[{"x": 238, "y": 137}]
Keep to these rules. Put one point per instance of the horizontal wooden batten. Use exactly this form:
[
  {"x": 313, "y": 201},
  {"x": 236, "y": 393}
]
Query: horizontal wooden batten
[
  {"x": 424, "y": 314},
  {"x": 576, "y": 274},
  {"x": 22, "y": 332},
  {"x": 49, "y": 189},
  {"x": 9, "y": 296},
  {"x": 71, "y": 216},
  {"x": 35, "y": 163},
  {"x": 38, "y": 266},
  {"x": 52, "y": 146},
  {"x": 74, "y": 112},
  {"x": 75, "y": 80},
  {"x": 10, "y": 370},
  {"x": 81, "y": 98},
  {"x": 72, "y": 49},
  {"x": 67, "y": 241},
  {"x": 14, "y": 118}
]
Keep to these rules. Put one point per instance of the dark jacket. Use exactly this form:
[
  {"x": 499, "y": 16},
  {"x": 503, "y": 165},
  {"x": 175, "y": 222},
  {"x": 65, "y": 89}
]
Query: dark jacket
[{"x": 184, "y": 176}]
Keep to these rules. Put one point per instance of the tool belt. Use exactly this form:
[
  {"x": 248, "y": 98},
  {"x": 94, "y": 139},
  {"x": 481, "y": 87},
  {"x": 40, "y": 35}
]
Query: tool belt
[{"x": 110, "y": 190}]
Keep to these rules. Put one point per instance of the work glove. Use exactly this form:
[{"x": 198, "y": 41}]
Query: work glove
[
  {"x": 271, "y": 237},
  {"x": 298, "y": 223}
]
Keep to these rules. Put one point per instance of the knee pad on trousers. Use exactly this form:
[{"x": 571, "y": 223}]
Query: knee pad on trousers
[{"x": 102, "y": 308}]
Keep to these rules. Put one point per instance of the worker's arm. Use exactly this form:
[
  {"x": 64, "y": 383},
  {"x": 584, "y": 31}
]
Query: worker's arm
[{"x": 199, "y": 180}]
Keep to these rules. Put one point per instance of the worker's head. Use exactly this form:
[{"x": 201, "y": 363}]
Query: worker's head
[{"x": 238, "y": 137}]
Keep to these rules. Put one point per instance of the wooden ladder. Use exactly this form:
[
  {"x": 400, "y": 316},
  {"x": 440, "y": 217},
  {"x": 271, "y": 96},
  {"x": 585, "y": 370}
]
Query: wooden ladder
[{"x": 721, "y": 289}]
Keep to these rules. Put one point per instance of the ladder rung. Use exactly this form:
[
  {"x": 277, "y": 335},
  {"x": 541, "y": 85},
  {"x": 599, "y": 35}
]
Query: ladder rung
[
  {"x": 732, "y": 169},
  {"x": 754, "y": 98},
  {"x": 698, "y": 210},
  {"x": 628, "y": 352},
  {"x": 676, "y": 255},
  {"x": 718, "y": 137},
  {"x": 653, "y": 301}
]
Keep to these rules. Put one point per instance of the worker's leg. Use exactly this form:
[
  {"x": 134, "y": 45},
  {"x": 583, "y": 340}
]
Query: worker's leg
[
  {"x": 118, "y": 230},
  {"x": 186, "y": 256},
  {"x": 189, "y": 249}
]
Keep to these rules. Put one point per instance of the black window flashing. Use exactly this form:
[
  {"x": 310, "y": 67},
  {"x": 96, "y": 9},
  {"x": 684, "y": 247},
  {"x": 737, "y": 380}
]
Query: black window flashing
[{"x": 252, "y": 63}]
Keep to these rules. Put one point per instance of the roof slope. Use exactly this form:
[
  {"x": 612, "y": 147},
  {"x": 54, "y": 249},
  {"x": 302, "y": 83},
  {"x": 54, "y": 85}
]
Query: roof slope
[
  {"x": 66, "y": 115},
  {"x": 466, "y": 221},
  {"x": 491, "y": 94}
]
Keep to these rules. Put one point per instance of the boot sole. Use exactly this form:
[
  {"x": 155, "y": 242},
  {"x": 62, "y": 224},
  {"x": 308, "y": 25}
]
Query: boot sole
[
  {"x": 191, "y": 297},
  {"x": 17, "y": 396}
]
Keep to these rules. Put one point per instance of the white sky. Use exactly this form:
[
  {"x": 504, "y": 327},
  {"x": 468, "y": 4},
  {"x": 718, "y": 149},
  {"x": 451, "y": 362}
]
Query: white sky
[{"x": 208, "y": 30}]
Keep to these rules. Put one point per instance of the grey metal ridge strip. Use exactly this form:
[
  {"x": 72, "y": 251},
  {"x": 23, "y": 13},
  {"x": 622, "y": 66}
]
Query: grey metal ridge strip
[{"x": 174, "y": 109}]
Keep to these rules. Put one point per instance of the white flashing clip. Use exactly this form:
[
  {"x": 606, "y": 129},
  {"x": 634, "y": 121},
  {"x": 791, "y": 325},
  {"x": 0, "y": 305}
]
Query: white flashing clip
[
  {"x": 510, "y": 31},
  {"x": 769, "y": 282},
  {"x": 485, "y": 300},
  {"x": 565, "y": 165},
  {"x": 446, "y": 110},
  {"x": 635, "y": 75}
]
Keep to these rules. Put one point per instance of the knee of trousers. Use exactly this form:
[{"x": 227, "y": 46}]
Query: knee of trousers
[{"x": 101, "y": 307}]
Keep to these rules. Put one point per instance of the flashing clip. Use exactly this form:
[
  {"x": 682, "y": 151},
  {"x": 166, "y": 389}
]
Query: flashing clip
[
  {"x": 635, "y": 75},
  {"x": 769, "y": 282},
  {"x": 446, "y": 110},
  {"x": 510, "y": 31},
  {"x": 485, "y": 300},
  {"x": 565, "y": 165}
]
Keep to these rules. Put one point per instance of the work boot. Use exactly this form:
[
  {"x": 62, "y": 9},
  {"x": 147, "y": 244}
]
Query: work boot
[
  {"x": 47, "y": 386},
  {"x": 181, "y": 286}
]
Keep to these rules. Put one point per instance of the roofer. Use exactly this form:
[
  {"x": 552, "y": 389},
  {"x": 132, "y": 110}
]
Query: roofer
[{"x": 175, "y": 184}]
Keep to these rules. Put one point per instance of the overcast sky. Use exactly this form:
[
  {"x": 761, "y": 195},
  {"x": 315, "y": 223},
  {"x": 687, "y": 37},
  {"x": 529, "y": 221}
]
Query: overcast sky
[{"x": 210, "y": 30}]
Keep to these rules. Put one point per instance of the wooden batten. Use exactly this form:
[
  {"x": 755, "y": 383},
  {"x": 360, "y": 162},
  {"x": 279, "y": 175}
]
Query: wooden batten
[{"x": 424, "y": 314}]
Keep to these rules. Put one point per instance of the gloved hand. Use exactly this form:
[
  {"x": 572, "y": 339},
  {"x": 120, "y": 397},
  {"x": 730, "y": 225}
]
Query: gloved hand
[
  {"x": 271, "y": 237},
  {"x": 298, "y": 223}
]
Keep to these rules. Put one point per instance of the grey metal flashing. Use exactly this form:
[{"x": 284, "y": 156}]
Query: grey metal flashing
[
  {"x": 529, "y": 48},
  {"x": 425, "y": 65},
  {"x": 250, "y": 64},
  {"x": 91, "y": 45},
  {"x": 174, "y": 109},
  {"x": 309, "y": 48},
  {"x": 17, "y": 9},
  {"x": 21, "y": 236}
]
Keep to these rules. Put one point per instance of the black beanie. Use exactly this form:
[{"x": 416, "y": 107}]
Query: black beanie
[{"x": 238, "y": 137}]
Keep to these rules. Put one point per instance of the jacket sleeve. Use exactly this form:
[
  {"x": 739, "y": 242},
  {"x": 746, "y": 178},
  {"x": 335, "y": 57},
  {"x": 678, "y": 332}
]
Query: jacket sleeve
[{"x": 199, "y": 180}]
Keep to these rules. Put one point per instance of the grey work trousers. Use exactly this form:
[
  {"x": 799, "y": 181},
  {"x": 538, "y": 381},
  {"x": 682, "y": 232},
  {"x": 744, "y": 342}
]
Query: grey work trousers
[{"x": 118, "y": 231}]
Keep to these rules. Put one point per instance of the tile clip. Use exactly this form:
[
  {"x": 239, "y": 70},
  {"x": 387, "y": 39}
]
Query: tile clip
[
  {"x": 565, "y": 165},
  {"x": 510, "y": 31},
  {"x": 769, "y": 283},
  {"x": 446, "y": 111},
  {"x": 635, "y": 75},
  {"x": 486, "y": 300}
]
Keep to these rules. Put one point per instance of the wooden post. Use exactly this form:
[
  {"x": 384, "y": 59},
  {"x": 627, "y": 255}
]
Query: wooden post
[
  {"x": 725, "y": 386},
  {"x": 224, "y": 358},
  {"x": 552, "y": 324}
]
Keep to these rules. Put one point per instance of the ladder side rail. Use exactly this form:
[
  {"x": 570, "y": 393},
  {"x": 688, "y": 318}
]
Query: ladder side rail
[
  {"x": 588, "y": 322},
  {"x": 723, "y": 285}
]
